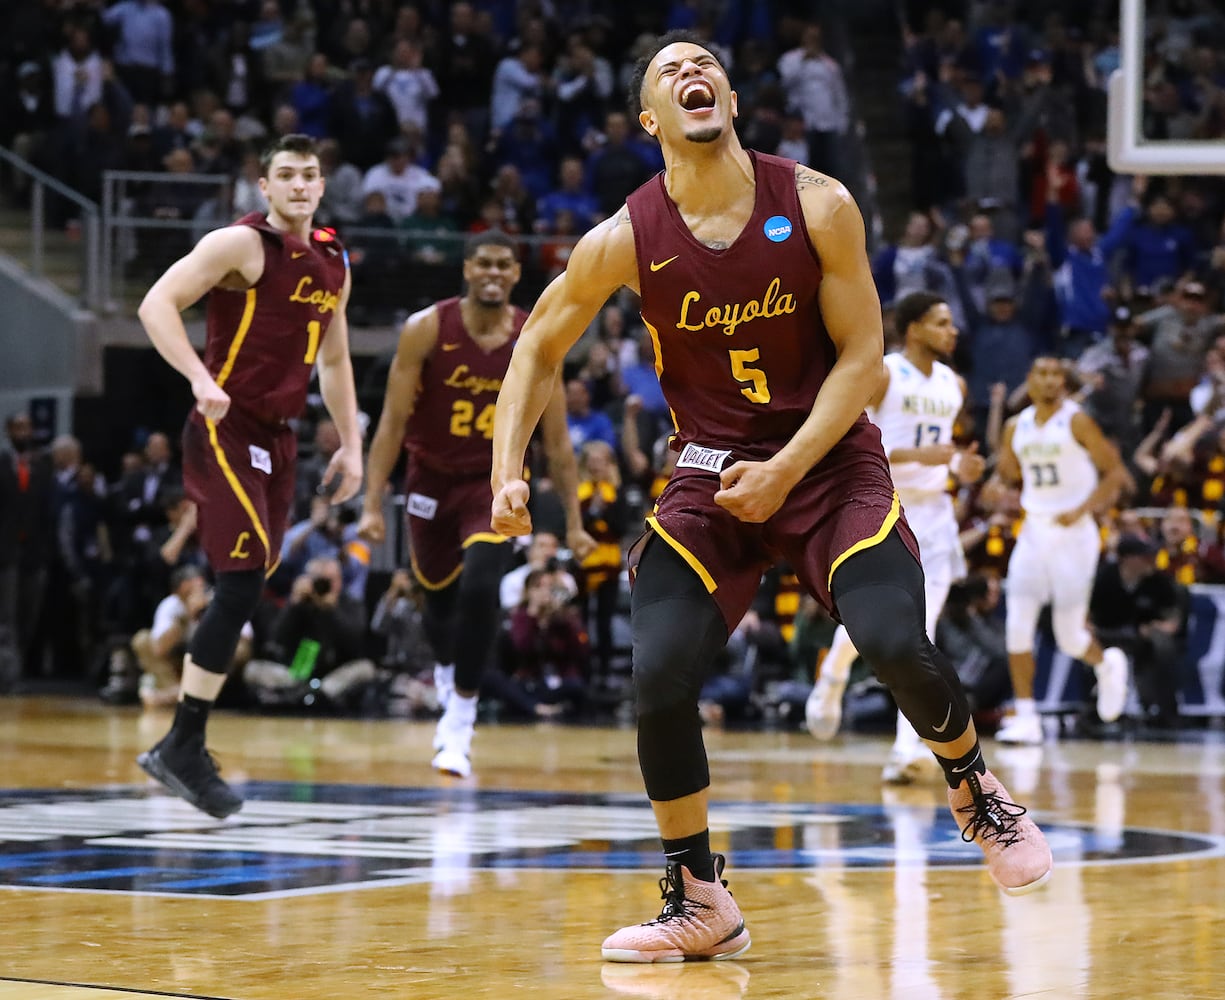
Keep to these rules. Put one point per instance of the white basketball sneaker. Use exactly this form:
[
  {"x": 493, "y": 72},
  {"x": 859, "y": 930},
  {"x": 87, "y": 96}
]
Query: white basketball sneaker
[
  {"x": 823, "y": 710},
  {"x": 453, "y": 737},
  {"x": 909, "y": 764},
  {"x": 1025, "y": 730},
  {"x": 1111, "y": 684}
]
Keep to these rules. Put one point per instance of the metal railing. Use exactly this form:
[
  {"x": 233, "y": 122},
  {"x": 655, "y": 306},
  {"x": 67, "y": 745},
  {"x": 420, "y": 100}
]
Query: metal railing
[
  {"x": 137, "y": 244},
  {"x": 396, "y": 270},
  {"x": 89, "y": 234}
]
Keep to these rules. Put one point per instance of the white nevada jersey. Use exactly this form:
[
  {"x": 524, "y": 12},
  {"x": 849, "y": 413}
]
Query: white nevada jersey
[
  {"x": 917, "y": 410},
  {"x": 1057, "y": 474}
]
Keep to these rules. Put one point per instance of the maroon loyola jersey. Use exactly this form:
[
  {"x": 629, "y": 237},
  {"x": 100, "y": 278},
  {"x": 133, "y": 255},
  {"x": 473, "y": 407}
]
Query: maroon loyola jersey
[
  {"x": 452, "y": 424},
  {"x": 262, "y": 342},
  {"x": 740, "y": 345}
]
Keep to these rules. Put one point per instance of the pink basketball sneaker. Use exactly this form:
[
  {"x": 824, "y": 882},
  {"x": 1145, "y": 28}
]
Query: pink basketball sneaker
[
  {"x": 1017, "y": 854},
  {"x": 700, "y": 920}
]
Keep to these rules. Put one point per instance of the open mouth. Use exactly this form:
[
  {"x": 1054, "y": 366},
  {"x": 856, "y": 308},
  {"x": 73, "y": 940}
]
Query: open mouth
[{"x": 697, "y": 96}]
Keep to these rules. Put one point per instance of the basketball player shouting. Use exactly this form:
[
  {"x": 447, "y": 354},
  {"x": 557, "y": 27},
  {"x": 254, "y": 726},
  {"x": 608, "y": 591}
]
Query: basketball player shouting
[{"x": 757, "y": 294}]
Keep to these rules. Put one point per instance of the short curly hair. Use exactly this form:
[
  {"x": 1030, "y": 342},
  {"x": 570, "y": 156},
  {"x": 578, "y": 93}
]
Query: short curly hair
[
  {"x": 914, "y": 307},
  {"x": 634, "y": 97}
]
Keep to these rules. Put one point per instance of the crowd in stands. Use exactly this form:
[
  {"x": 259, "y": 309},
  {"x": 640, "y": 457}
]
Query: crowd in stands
[{"x": 441, "y": 119}]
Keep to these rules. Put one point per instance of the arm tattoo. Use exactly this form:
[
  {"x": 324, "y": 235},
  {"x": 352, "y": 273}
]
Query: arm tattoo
[
  {"x": 809, "y": 177},
  {"x": 622, "y": 219}
]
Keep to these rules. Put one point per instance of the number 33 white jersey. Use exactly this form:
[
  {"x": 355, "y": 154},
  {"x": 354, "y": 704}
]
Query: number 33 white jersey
[
  {"x": 1057, "y": 474},
  {"x": 917, "y": 410}
]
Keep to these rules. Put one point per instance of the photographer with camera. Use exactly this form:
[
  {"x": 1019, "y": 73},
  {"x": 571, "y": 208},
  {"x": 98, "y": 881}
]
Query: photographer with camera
[
  {"x": 317, "y": 644},
  {"x": 329, "y": 532},
  {"x": 544, "y": 552},
  {"x": 547, "y": 652}
]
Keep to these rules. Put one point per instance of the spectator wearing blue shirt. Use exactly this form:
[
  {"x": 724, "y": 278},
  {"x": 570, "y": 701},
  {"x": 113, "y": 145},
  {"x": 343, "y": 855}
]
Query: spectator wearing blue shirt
[
  {"x": 518, "y": 78},
  {"x": 144, "y": 48},
  {"x": 642, "y": 380},
  {"x": 1160, "y": 246},
  {"x": 529, "y": 144},
  {"x": 362, "y": 119},
  {"x": 1079, "y": 260},
  {"x": 1000, "y": 44},
  {"x": 585, "y": 423},
  {"x": 617, "y": 167},
  {"x": 1003, "y": 339},
  {"x": 583, "y": 85},
  {"x": 311, "y": 97},
  {"x": 913, "y": 264},
  {"x": 568, "y": 196},
  {"x": 985, "y": 256}
]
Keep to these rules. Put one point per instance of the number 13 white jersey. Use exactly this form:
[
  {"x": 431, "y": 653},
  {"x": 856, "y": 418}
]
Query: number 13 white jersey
[
  {"x": 1057, "y": 474},
  {"x": 917, "y": 410}
]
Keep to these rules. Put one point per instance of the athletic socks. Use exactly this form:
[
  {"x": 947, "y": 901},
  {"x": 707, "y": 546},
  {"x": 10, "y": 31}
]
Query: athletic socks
[
  {"x": 694, "y": 853},
  {"x": 957, "y": 769},
  {"x": 1024, "y": 707},
  {"x": 189, "y": 719}
]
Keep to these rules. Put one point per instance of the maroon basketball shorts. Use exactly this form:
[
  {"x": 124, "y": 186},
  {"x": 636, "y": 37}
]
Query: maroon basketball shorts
[
  {"x": 446, "y": 513},
  {"x": 844, "y": 505},
  {"x": 240, "y": 473}
]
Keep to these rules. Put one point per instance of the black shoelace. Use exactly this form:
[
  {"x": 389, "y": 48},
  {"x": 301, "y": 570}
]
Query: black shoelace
[
  {"x": 672, "y": 891},
  {"x": 991, "y": 816},
  {"x": 202, "y": 766}
]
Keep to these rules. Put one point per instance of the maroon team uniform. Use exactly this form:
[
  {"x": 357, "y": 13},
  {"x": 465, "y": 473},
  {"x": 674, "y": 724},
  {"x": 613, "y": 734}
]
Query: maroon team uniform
[
  {"x": 450, "y": 446},
  {"x": 741, "y": 351},
  {"x": 260, "y": 348}
]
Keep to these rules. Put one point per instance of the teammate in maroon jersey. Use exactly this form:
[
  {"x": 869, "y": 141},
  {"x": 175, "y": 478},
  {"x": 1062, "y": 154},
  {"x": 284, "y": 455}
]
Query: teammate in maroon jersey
[
  {"x": 276, "y": 308},
  {"x": 439, "y": 404},
  {"x": 757, "y": 293}
]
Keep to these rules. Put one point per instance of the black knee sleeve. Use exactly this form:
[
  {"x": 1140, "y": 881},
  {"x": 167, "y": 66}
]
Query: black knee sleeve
[
  {"x": 678, "y": 631},
  {"x": 235, "y": 597},
  {"x": 879, "y": 596},
  {"x": 671, "y": 753},
  {"x": 480, "y": 611}
]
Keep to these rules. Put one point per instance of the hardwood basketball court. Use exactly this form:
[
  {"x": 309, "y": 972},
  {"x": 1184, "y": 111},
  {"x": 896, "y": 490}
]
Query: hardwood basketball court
[{"x": 355, "y": 871}]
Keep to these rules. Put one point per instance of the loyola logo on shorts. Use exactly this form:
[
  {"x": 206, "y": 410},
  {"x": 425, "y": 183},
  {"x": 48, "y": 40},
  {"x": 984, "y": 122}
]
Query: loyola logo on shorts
[{"x": 777, "y": 228}]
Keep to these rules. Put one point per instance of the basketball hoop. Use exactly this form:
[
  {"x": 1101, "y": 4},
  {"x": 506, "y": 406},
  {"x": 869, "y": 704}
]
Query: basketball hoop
[{"x": 1127, "y": 151}]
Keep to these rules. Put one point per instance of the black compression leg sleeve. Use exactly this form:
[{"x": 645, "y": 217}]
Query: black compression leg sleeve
[
  {"x": 235, "y": 597},
  {"x": 475, "y": 627},
  {"x": 438, "y": 620},
  {"x": 879, "y": 596},
  {"x": 678, "y": 631}
]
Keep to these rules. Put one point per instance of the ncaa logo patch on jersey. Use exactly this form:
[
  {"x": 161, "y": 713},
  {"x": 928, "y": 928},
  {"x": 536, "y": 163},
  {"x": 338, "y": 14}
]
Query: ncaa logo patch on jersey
[{"x": 777, "y": 228}]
